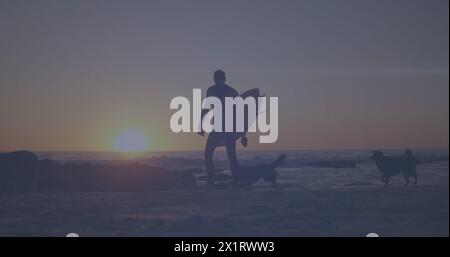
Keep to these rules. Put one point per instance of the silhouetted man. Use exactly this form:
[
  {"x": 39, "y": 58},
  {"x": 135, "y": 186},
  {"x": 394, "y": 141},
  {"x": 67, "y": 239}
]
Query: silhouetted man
[{"x": 215, "y": 139}]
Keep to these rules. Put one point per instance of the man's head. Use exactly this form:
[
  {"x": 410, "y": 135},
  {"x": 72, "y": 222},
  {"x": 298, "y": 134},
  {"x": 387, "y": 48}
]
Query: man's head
[{"x": 219, "y": 77}]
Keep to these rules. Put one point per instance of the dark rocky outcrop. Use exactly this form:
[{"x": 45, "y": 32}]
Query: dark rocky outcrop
[
  {"x": 130, "y": 177},
  {"x": 22, "y": 172},
  {"x": 18, "y": 172},
  {"x": 49, "y": 176}
]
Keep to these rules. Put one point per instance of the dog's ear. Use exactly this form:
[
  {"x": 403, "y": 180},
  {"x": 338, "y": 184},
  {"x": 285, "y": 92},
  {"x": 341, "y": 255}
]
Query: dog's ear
[
  {"x": 279, "y": 160},
  {"x": 375, "y": 154},
  {"x": 408, "y": 152}
]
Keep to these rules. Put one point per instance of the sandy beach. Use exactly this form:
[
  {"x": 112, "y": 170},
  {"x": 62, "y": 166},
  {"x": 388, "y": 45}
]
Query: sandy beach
[{"x": 395, "y": 211}]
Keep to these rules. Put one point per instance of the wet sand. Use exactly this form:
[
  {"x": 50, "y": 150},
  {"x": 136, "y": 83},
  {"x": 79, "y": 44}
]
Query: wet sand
[{"x": 353, "y": 211}]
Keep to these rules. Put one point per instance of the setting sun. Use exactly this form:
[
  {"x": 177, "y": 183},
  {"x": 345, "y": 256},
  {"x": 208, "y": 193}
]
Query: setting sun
[{"x": 131, "y": 140}]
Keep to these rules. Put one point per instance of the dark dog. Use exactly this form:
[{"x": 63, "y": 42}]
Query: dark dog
[
  {"x": 250, "y": 175},
  {"x": 390, "y": 166}
]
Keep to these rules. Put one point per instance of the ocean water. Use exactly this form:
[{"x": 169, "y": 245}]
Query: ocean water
[{"x": 296, "y": 173}]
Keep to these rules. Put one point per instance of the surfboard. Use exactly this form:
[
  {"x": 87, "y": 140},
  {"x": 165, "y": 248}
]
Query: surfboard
[{"x": 248, "y": 122}]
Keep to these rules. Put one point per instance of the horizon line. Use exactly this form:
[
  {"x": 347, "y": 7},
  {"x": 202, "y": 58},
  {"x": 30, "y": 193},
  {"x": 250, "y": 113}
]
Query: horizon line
[{"x": 220, "y": 150}]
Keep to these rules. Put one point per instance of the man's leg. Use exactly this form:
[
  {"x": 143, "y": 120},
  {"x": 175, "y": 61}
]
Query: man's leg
[
  {"x": 230, "y": 143},
  {"x": 209, "y": 153}
]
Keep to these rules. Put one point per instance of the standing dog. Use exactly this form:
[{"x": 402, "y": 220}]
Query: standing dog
[
  {"x": 390, "y": 166},
  {"x": 251, "y": 174},
  {"x": 409, "y": 169}
]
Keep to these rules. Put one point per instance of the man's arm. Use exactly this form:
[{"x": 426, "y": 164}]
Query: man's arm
[{"x": 206, "y": 109}]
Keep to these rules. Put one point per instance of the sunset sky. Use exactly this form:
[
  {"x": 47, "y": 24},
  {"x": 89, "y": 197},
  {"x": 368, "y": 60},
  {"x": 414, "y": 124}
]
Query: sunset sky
[{"x": 351, "y": 74}]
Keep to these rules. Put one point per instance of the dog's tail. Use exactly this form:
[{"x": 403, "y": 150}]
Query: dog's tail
[{"x": 278, "y": 161}]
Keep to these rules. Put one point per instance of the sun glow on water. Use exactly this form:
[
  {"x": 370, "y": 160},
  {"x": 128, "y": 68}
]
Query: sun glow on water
[{"x": 132, "y": 140}]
